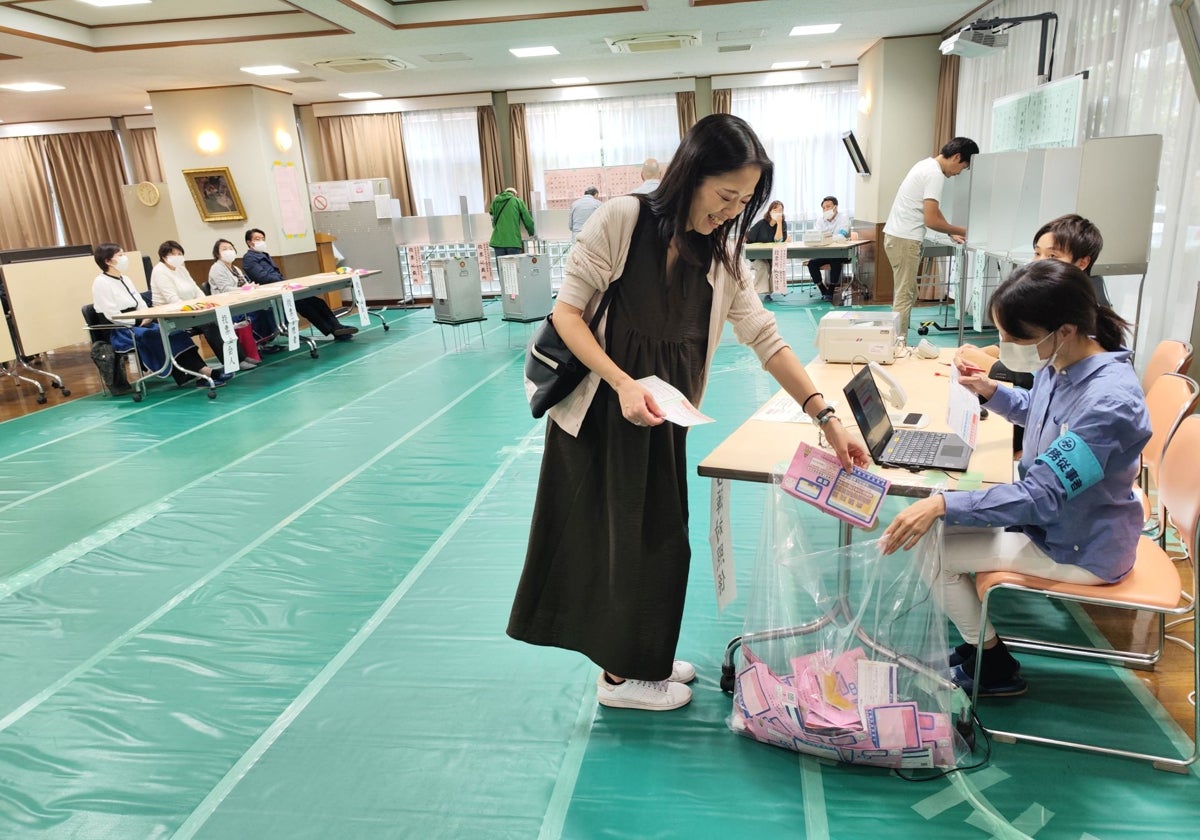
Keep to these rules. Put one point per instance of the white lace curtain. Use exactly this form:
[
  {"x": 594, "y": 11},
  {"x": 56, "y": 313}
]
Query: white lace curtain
[
  {"x": 801, "y": 127},
  {"x": 1138, "y": 84},
  {"x": 442, "y": 149},
  {"x": 599, "y": 132}
]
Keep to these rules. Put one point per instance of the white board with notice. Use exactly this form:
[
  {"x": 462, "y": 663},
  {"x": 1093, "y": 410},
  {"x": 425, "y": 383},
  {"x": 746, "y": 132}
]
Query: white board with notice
[{"x": 1048, "y": 116}]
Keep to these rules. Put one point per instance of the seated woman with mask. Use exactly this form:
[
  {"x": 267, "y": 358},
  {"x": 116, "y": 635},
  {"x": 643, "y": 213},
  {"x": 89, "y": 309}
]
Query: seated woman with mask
[
  {"x": 1072, "y": 515},
  {"x": 225, "y": 276},
  {"x": 114, "y": 296}
]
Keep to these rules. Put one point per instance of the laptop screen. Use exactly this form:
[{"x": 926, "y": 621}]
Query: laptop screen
[{"x": 869, "y": 411}]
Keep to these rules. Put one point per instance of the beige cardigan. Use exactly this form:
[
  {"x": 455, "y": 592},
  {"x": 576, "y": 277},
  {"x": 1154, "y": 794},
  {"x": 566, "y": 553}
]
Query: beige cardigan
[{"x": 598, "y": 257}]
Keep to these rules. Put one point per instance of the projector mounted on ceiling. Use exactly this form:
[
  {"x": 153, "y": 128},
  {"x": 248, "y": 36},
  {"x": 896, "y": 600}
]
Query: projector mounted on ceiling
[
  {"x": 974, "y": 43},
  {"x": 984, "y": 37},
  {"x": 658, "y": 42}
]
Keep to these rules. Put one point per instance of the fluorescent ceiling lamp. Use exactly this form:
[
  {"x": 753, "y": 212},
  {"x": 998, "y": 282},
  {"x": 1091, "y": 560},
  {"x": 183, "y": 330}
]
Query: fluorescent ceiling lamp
[
  {"x": 269, "y": 70},
  {"x": 789, "y": 65},
  {"x": 533, "y": 52},
  {"x": 32, "y": 87},
  {"x": 815, "y": 29},
  {"x": 106, "y": 3},
  {"x": 360, "y": 94},
  {"x": 571, "y": 80},
  {"x": 148, "y": 107}
]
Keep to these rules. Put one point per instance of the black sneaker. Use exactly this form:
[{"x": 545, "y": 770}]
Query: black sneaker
[
  {"x": 1011, "y": 686},
  {"x": 962, "y": 654}
]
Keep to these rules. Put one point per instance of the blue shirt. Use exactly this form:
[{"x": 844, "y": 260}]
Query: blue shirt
[{"x": 1085, "y": 428}]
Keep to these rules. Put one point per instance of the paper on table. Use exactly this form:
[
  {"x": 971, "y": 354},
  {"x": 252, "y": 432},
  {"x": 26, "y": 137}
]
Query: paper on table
[
  {"x": 781, "y": 408},
  {"x": 675, "y": 406}
]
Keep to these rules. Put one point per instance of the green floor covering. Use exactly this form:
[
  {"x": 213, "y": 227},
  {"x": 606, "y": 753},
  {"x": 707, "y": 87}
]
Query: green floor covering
[{"x": 280, "y": 614}]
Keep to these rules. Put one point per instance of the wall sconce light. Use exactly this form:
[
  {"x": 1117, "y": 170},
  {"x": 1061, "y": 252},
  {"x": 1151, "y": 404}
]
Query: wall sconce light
[
  {"x": 283, "y": 140},
  {"x": 864, "y": 103},
  {"x": 208, "y": 141}
]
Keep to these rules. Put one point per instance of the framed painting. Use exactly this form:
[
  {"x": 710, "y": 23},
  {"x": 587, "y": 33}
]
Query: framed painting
[{"x": 215, "y": 195}]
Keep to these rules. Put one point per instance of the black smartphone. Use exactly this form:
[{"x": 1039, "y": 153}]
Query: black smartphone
[{"x": 911, "y": 419}]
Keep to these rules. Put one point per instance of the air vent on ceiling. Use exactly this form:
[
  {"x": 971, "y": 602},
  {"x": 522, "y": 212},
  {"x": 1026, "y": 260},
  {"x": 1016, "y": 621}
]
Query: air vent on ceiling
[
  {"x": 659, "y": 42},
  {"x": 453, "y": 56},
  {"x": 384, "y": 64},
  {"x": 302, "y": 80},
  {"x": 733, "y": 48}
]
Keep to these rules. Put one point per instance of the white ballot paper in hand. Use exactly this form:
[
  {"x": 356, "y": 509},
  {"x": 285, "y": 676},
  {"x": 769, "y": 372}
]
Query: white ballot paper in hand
[
  {"x": 675, "y": 406},
  {"x": 963, "y": 412}
]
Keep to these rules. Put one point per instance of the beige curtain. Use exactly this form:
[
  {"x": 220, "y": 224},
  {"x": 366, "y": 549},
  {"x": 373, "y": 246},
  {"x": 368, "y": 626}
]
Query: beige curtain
[
  {"x": 520, "y": 151},
  {"x": 947, "y": 102},
  {"x": 685, "y": 110},
  {"x": 143, "y": 149},
  {"x": 367, "y": 146},
  {"x": 27, "y": 220},
  {"x": 722, "y": 101},
  {"x": 489, "y": 152},
  {"x": 87, "y": 175}
]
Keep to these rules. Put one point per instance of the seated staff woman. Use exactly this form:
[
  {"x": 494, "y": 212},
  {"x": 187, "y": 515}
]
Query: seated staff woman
[
  {"x": 171, "y": 283},
  {"x": 225, "y": 276},
  {"x": 114, "y": 295},
  {"x": 771, "y": 228},
  {"x": 1085, "y": 422},
  {"x": 609, "y": 552}
]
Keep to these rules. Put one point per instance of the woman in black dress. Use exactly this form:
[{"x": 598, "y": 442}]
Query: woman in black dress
[{"x": 607, "y": 563}]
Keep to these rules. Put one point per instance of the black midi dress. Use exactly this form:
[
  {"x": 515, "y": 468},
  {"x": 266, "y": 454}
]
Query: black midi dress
[{"x": 607, "y": 564}]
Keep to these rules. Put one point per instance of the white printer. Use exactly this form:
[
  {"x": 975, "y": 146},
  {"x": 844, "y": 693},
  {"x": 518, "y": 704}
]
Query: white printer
[{"x": 857, "y": 334}]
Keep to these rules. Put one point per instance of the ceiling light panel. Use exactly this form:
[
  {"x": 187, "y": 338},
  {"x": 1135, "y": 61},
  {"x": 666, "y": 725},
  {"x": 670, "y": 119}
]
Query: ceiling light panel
[
  {"x": 269, "y": 70},
  {"x": 31, "y": 87},
  {"x": 532, "y": 52},
  {"x": 816, "y": 29}
]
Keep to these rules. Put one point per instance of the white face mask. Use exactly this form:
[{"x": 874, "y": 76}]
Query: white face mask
[
  {"x": 175, "y": 260},
  {"x": 1024, "y": 358},
  {"x": 829, "y": 215},
  {"x": 121, "y": 263},
  {"x": 776, "y": 216},
  {"x": 228, "y": 256},
  {"x": 260, "y": 245}
]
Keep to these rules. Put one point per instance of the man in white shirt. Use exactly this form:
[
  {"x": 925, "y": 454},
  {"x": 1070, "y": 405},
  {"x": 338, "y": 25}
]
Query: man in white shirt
[
  {"x": 917, "y": 209},
  {"x": 832, "y": 224},
  {"x": 582, "y": 209},
  {"x": 650, "y": 178}
]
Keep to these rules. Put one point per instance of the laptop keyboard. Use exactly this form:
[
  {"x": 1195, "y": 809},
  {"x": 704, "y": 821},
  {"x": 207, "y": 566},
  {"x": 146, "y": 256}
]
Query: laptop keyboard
[{"x": 919, "y": 450}]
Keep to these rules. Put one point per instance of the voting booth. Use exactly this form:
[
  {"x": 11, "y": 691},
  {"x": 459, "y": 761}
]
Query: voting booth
[
  {"x": 525, "y": 287},
  {"x": 457, "y": 296}
]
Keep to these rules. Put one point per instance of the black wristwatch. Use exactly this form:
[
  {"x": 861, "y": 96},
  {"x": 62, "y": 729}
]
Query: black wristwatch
[{"x": 824, "y": 415}]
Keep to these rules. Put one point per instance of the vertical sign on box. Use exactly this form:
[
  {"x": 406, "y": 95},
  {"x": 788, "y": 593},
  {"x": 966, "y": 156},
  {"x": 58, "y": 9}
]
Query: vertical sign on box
[
  {"x": 779, "y": 269},
  {"x": 293, "y": 320},
  {"x": 721, "y": 543},
  {"x": 229, "y": 357}
]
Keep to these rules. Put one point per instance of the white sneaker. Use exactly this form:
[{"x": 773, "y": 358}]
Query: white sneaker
[
  {"x": 682, "y": 672},
  {"x": 659, "y": 696}
]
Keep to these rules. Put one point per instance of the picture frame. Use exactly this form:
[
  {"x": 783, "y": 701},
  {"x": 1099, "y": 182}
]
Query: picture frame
[{"x": 215, "y": 194}]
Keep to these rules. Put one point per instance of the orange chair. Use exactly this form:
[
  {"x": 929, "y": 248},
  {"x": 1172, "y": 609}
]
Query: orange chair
[
  {"x": 1153, "y": 585},
  {"x": 1170, "y": 356},
  {"x": 1171, "y": 398}
]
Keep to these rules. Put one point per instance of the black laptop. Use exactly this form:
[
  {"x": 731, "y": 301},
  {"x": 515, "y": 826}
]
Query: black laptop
[{"x": 904, "y": 448}]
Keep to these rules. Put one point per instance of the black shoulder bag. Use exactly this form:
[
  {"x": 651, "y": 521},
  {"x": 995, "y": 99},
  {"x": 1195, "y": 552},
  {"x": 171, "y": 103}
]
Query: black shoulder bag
[{"x": 551, "y": 367}]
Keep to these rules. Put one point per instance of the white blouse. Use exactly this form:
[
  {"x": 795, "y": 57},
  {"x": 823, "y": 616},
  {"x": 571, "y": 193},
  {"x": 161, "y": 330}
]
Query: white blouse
[
  {"x": 111, "y": 296},
  {"x": 172, "y": 285}
]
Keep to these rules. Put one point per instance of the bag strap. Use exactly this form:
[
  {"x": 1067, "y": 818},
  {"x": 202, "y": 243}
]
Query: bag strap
[{"x": 601, "y": 309}]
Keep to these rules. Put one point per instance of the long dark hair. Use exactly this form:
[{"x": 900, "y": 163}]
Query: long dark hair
[
  {"x": 717, "y": 144},
  {"x": 1045, "y": 295}
]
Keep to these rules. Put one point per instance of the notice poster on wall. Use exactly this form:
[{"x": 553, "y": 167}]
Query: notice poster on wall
[
  {"x": 332, "y": 196},
  {"x": 292, "y": 214}
]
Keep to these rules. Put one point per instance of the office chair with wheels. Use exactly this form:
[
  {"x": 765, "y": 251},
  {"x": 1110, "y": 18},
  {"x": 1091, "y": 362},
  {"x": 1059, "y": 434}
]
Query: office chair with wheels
[{"x": 1153, "y": 585}]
